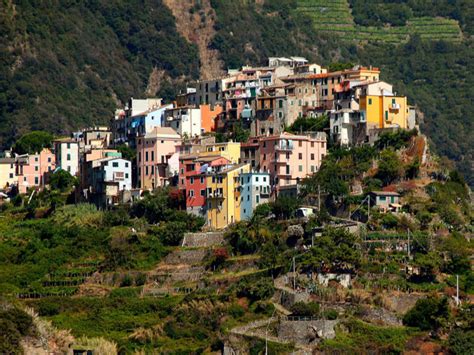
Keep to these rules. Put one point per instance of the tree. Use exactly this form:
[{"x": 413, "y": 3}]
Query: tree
[
  {"x": 390, "y": 168},
  {"x": 33, "y": 142},
  {"x": 62, "y": 180},
  {"x": 429, "y": 313},
  {"x": 127, "y": 152}
]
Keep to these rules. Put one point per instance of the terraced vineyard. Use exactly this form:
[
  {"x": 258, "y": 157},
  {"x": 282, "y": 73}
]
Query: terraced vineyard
[{"x": 335, "y": 17}]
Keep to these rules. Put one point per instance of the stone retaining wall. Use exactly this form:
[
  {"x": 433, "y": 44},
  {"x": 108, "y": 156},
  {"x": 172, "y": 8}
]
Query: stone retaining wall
[{"x": 203, "y": 240}]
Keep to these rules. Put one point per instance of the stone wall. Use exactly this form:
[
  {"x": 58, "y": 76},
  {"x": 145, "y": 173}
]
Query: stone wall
[
  {"x": 304, "y": 332},
  {"x": 203, "y": 240}
]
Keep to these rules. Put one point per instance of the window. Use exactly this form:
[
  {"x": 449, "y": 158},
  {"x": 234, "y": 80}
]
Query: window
[
  {"x": 299, "y": 102},
  {"x": 68, "y": 168},
  {"x": 393, "y": 101},
  {"x": 280, "y": 115},
  {"x": 36, "y": 168},
  {"x": 264, "y": 157},
  {"x": 126, "y": 164},
  {"x": 126, "y": 175},
  {"x": 312, "y": 168},
  {"x": 191, "y": 180},
  {"x": 248, "y": 197},
  {"x": 36, "y": 180},
  {"x": 288, "y": 169},
  {"x": 152, "y": 156},
  {"x": 280, "y": 103},
  {"x": 49, "y": 159},
  {"x": 36, "y": 158},
  {"x": 146, "y": 170},
  {"x": 68, "y": 157},
  {"x": 382, "y": 198},
  {"x": 139, "y": 157},
  {"x": 203, "y": 193},
  {"x": 312, "y": 144},
  {"x": 257, "y": 199},
  {"x": 370, "y": 101},
  {"x": 264, "y": 145},
  {"x": 256, "y": 179},
  {"x": 191, "y": 193},
  {"x": 300, "y": 143},
  {"x": 11, "y": 176},
  {"x": 386, "y": 115},
  {"x": 300, "y": 168},
  {"x": 312, "y": 156},
  {"x": 115, "y": 164},
  {"x": 182, "y": 170},
  {"x": 146, "y": 156},
  {"x": 202, "y": 180},
  {"x": 300, "y": 156},
  {"x": 182, "y": 181},
  {"x": 264, "y": 179}
]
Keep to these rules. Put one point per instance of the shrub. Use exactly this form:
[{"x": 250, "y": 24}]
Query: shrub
[
  {"x": 461, "y": 342},
  {"x": 255, "y": 289},
  {"x": 126, "y": 281},
  {"x": 310, "y": 309},
  {"x": 428, "y": 313},
  {"x": 140, "y": 279}
]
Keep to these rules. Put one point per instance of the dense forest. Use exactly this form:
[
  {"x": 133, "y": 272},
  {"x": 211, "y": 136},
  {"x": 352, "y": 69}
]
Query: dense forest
[{"x": 67, "y": 64}]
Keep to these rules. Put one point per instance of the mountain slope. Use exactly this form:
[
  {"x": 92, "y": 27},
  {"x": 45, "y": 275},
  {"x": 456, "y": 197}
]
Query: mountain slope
[{"x": 64, "y": 64}]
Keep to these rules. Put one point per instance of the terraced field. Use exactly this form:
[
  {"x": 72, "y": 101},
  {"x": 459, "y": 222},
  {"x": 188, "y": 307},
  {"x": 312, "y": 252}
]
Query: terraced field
[{"x": 335, "y": 16}]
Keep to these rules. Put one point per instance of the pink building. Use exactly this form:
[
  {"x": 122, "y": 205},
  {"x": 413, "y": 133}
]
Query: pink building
[
  {"x": 153, "y": 151},
  {"x": 33, "y": 169},
  {"x": 289, "y": 158}
]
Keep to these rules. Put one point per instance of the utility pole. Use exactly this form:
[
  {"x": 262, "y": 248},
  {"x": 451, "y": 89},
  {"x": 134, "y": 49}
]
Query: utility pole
[
  {"x": 409, "y": 252},
  {"x": 319, "y": 198},
  {"x": 457, "y": 290},
  {"x": 294, "y": 274},
  {"x": 368, "y": 208}
]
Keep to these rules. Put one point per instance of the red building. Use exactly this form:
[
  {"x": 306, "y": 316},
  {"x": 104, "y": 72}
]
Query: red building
[{"x": 192, "y": 179}]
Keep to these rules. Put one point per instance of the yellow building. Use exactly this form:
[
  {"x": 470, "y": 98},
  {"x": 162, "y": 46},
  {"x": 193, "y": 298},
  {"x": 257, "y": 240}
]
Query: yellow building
[
  {"x": 228, "y": 150},
  {"x": 223, "y": 196},
  {"x": 7, "y": 172},
  {"x": 385, "y": 111}
]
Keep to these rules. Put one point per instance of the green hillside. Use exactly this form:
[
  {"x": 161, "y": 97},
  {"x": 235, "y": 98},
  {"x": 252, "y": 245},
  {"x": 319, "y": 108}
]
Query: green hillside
[{"x": 336, "y": 17}]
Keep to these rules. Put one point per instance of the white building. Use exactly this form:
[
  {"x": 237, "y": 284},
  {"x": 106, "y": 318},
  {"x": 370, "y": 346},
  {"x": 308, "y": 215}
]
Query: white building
[
  {"x": 67, "y": 155},
  {"x": 255, "y": 189},
  {"x": 186, "y": 121}
]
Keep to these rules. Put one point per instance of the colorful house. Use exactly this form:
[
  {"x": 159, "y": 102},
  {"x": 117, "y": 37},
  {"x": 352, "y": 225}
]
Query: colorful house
[
  {"x": 229, "y": 150},
  {"x": 193, "y": 182},
  {"x": 67, "y": 155},
  {"x": 289, "y": 158},
  {"x": 7, "y": 172},
  {"x": 223, "y": 195},
  {"x": 108, "y": 179},
  {"x": 153, "y": 151},
  {"x": 382, "y": 108},
  {"x": 209, "y": 117},
  {"x": 33, "y": 169},
  {"x": 255, "y": 189}
]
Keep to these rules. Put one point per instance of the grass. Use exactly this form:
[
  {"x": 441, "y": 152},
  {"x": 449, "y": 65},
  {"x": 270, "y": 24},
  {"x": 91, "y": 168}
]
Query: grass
[
  {"x": 335, "y": 17},
  {"x": 359, "y": 337}
]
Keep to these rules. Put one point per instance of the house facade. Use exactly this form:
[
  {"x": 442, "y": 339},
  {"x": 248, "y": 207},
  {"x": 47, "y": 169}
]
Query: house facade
[
  {"x": 255, "y": 189},
  {"x": 67, "y": 155},
  {"x": 33, "y": 169},
  {"x": 154, "y": 149}
]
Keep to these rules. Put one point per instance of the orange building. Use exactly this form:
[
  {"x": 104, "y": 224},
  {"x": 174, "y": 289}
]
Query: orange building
[{"x": 209, "y": 117}]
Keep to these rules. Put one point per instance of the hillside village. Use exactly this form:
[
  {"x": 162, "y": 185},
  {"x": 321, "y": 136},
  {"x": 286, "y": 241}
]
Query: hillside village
[
  {"x": 186, "y": 143},
  {"x": 279, "y": 209}
]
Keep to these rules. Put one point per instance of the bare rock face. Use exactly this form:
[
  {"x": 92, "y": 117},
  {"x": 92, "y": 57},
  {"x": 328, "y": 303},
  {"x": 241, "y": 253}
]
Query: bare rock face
[
  {"x": 305, "y": 332},
  {"x": 195, "y": 22}
]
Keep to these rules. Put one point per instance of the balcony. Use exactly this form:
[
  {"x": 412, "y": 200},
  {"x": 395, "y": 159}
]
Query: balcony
[
  {"x": 287, "y": 147},
  {"x": 215, "y": 195},
  {"x": 395, "y": 107}
]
